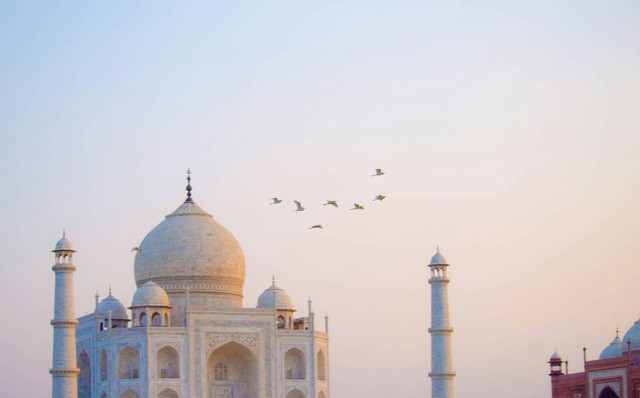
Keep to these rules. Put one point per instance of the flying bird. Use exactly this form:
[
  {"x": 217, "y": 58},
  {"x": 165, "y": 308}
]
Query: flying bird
[
  {"x": 275, "y": 201},
  {"x": 333, "y": 203},
  {"x": 379, "y": 172},
  {"x": 136, "y": 249},
  {"x": 380, "y": 198},
  {"x": 299, "y": 207},
  {"x": 316, "y": 226},
  {"x": 357, "y": 207}
]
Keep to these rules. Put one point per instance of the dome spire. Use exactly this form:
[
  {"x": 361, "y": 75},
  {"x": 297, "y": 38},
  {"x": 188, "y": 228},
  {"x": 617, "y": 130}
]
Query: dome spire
[{"x": 189, "y": 185}]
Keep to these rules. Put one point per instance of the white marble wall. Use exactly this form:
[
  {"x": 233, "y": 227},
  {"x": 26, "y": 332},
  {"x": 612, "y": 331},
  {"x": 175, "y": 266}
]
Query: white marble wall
[{"x": 206, "y": 330}]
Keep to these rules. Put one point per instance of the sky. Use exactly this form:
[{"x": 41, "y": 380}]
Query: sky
[{"x": 509, "y": 133}]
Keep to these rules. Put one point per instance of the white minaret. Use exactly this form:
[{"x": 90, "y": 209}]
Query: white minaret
[
  {"x": 65, "y": 370},
  {"x": 442, "y": 373}
]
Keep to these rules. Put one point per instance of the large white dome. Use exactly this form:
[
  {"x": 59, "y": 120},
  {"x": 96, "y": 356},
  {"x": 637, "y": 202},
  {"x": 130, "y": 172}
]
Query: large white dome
[{"x": 190, "y": 250}]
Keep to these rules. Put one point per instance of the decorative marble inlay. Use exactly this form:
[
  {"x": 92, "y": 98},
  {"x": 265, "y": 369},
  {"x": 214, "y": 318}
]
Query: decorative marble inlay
[{"x": 249, "y": 340}]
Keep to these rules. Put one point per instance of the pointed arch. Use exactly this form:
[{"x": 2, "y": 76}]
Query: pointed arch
[
  {"x": 103, "y": 366},
  {"x": 168, "y": 363},
  {"x": 103, "y": 395},
  {"x": 321, "y": 395},
  {"x": 294, "y": 365},
  {"x": 607, "y": 392},
  {"x": 168, "y": 393},
  {"x": 156, "y": 319},
  {"x": 233, "y": 367},
  {"x": 128, "y": 363},
  {"x": 295, "y": 394},
  {"x": 84, "y": 377},
  {"x": 129, "y": 393},
  {"x": 321, "y": 366}
]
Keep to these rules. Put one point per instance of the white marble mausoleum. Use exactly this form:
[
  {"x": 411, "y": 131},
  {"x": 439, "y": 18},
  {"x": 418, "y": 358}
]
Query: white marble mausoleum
[{"x": 186, "y": 333}]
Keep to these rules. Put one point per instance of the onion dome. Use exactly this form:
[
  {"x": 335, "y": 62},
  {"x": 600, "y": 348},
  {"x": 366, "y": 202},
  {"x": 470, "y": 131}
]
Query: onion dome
[
  {"x": 554, "y": 356},
  {"x": 150, "y": 295},
  {"x": 190, "y": 250},
  {"x": 633, "y": 336},
  {"x": 614, "y": 349},
  {"x": 282, "y": 300},
  {"x": 110, "y": 303},
  {"x": 64, "y": 244},
  {"x": 438, "y": 258}
]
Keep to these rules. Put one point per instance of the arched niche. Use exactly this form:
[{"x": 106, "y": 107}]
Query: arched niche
[
  {"x": 156, "y": 319},
  {"x": 104, "y": 374},
  {"x": 295, "y": 394},
  {"x": 128, "y": 363},
  {"x": 168, "y": 363},
  {"x": 129, "y": 393},
  {"x": 607, "y": 392},
  {"x": 232, "y": 368},
  {"x": 168, "y": 393},
  {"x": 321, "y": 395},
  {"x": 294, "y": 365},
  {"x": 84, "y": 377},
  {"x": 103, "y": 395},
  {"x": 321, "y": 366}
]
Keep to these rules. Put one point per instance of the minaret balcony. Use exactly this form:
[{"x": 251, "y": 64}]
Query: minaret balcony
[
  {"x": 448, "y": 330},
  {"x": 439, "y": 280},
  {"x": 442, "y": 375}
]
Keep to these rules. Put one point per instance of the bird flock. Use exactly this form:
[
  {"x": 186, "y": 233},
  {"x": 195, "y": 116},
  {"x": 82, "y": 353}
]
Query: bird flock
[{"x": 334, "y": 203}]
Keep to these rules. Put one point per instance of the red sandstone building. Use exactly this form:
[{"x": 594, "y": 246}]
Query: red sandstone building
[{"x": 616, "y": 374}]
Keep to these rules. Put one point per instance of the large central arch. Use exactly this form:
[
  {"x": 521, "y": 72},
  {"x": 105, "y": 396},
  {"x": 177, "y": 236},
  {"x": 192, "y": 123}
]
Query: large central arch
[{"x": 232, "y": 372}]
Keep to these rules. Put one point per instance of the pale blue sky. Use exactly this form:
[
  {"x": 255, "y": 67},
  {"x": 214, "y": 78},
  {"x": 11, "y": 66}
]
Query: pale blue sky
[{"x": 510, "y": 133}]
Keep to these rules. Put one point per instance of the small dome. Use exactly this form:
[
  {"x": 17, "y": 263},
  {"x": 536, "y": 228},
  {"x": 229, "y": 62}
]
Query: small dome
[
  {"x": 283, "y": 302},
  {"x": 64, "y": 244},
  {"x": 438, "y": 259},
  {"x": 554, "y": 356},
  {"x": 614, "y": 349},
  {"x": 150, "y": 295},
  {"x": 632, "y": 335},
  {"x": 110, "y": 303}
]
